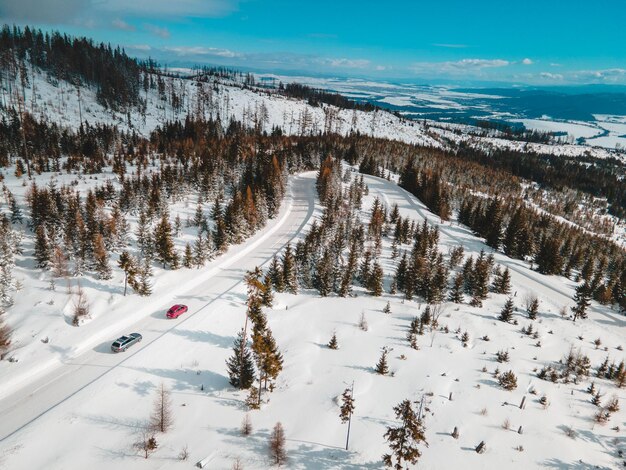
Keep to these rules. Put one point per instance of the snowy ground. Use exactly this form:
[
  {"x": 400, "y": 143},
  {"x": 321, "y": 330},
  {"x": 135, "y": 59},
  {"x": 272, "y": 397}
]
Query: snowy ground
[{"x": 87, "y": 410}]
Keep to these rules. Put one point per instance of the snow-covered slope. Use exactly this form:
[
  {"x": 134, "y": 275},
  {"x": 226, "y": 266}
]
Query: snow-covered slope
[
  {"x": 61, "y": 102},
  {"x": 95, "y": 424}
]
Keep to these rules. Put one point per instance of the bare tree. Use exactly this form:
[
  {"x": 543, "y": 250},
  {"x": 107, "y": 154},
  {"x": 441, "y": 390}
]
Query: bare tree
[
  {"x": 436, "y": 310},
  {"x": 246, "y": 425},
  {"x": 5, "y": 337},
  {"x": 81, "y": 305},
  {"x": 146, "y": 444},
  {"x": 278, "y": 453},
  {"x": 162, "y": 419}
]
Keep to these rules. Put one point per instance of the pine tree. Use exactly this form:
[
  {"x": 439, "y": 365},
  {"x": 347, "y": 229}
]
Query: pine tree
[
  {"x": 164, "y": 243},
  {"x": 403, "y": 439},
  {"x": 128, "y": 264},
  {"x": 533, "y": 308},
  {"x": 347, "y": 409},
  {"x": 267, "y": 296},
  {"x": 188, "y": 258},
  {"x": 101, "y": 258},
  {"x": 508, "y": 380},
  {"x": 42, "y": 247},
  {"x": 333, "y": 343},
  {"x": 387, "y": 308},
  {"x": 276, "y": 275},
  {"x": 240, "y": 365},
  {"x": 144, "y": 287},
  {"x": 382, "y": 367},
  {"x": 375, "y": 284},
  {"x": 144, "y": 239},
  {"x": 16, "y": 212},
  {"x": 502, "y": 282},
  {"x": 5, "y": 336},
  {"x": 289, "y": 271},
  {"x": 456, "y": 292},
  {"x": 507, "y": 311},
  {"x": 323, "y": 279},
  {"x": 582, "y": 297}
]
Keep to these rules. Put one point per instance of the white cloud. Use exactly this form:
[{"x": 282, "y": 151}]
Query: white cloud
[
  {"x": 344, "y": 63},
  {"x": 105, "y": 12},
  {"x": 118, "y": 23},
  {"x": 157, "y": 31},
  {"x": 468, "y": 67},
  {"x": 168, "y": 8},
  {"x": 48, "y": 11},
  {"x": 452, "y": 46},
  {"x": 184, "y": 51},
  {"x": 138, "y": 47},
  {"x": 527, "y": 61},
  {"x": 551, "y": 76}
]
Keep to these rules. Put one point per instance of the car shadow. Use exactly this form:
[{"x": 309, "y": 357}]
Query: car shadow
[{"x": 104, "y": 348}]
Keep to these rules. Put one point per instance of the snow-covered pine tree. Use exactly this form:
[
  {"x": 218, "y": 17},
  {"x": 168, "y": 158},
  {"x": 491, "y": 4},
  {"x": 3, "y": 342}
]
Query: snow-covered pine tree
[
  {"x": 42, "y": 247},
  {"x": 164, "y": 243},
  {"x": 267, "y": 295},
  {"x": 276, "y": 275},
  {"x": 375, "y": 284},
  {"x": 188, "y": 259},
  {"x": 101, "y": 258},
  {"x": 5, "y": 335},
  {"x": 289, "y": 271}
]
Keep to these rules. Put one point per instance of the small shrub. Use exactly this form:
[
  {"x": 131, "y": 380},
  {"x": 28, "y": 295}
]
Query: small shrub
[{"x": 508, "y": 380}]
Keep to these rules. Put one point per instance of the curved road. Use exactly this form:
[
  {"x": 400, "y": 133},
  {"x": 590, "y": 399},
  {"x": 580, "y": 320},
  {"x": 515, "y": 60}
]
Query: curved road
[{"x": 45, "y": 392}]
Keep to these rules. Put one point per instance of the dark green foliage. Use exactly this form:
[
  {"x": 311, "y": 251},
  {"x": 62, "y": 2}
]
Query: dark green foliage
[
  {"x": 506, "y": 314},
  {"x": 582, "y": 297},
  {"x": 502, "y": 282},
  {"x": 508, "y": 380},
  {"x": 382, "y": 367},
  {"x": 404, "y": 438},
  {"x": 240, "y": 365},
  {"x": 116, "y": 76},
  {"x": 333, "y": 343}
]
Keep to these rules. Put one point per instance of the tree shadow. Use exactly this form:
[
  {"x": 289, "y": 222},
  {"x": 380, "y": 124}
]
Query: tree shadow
[
  {"x": 225, "y": 342},
  {"x": 580, "y": 465},
  {"x": 186, "y": 380}
]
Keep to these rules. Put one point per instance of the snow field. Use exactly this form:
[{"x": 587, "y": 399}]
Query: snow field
[{"x": 104, "y": 417}]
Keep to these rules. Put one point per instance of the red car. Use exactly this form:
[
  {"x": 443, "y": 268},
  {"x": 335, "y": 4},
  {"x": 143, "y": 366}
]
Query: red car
[{"x": 176, "y": 310}]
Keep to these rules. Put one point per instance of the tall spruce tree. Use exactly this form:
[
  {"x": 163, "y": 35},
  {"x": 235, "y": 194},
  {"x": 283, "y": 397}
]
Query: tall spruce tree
[
  {"x": 289, "y": 271},
  {"x": 507, "y": 311},
  {"x": 241, "y": 365},
  {"x": 404, "y": 438},
  {"x": 582, "y": 297}
]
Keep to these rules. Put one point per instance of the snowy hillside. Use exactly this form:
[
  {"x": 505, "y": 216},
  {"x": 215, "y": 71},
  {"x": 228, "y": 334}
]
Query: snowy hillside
[
  {"x": 88, "y": 408},
  {"x": 62, "y": 103}
]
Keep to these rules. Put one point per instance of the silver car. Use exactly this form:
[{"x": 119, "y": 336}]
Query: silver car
[{"x": 122, "y": 343}]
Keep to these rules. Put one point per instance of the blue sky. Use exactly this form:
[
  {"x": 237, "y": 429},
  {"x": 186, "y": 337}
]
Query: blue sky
[{"x": 549, "y": 42}]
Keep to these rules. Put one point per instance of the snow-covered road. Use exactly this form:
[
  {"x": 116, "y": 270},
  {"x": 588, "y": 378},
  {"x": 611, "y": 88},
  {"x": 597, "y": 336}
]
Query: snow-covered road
[{"x": 37, "y": 394}]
